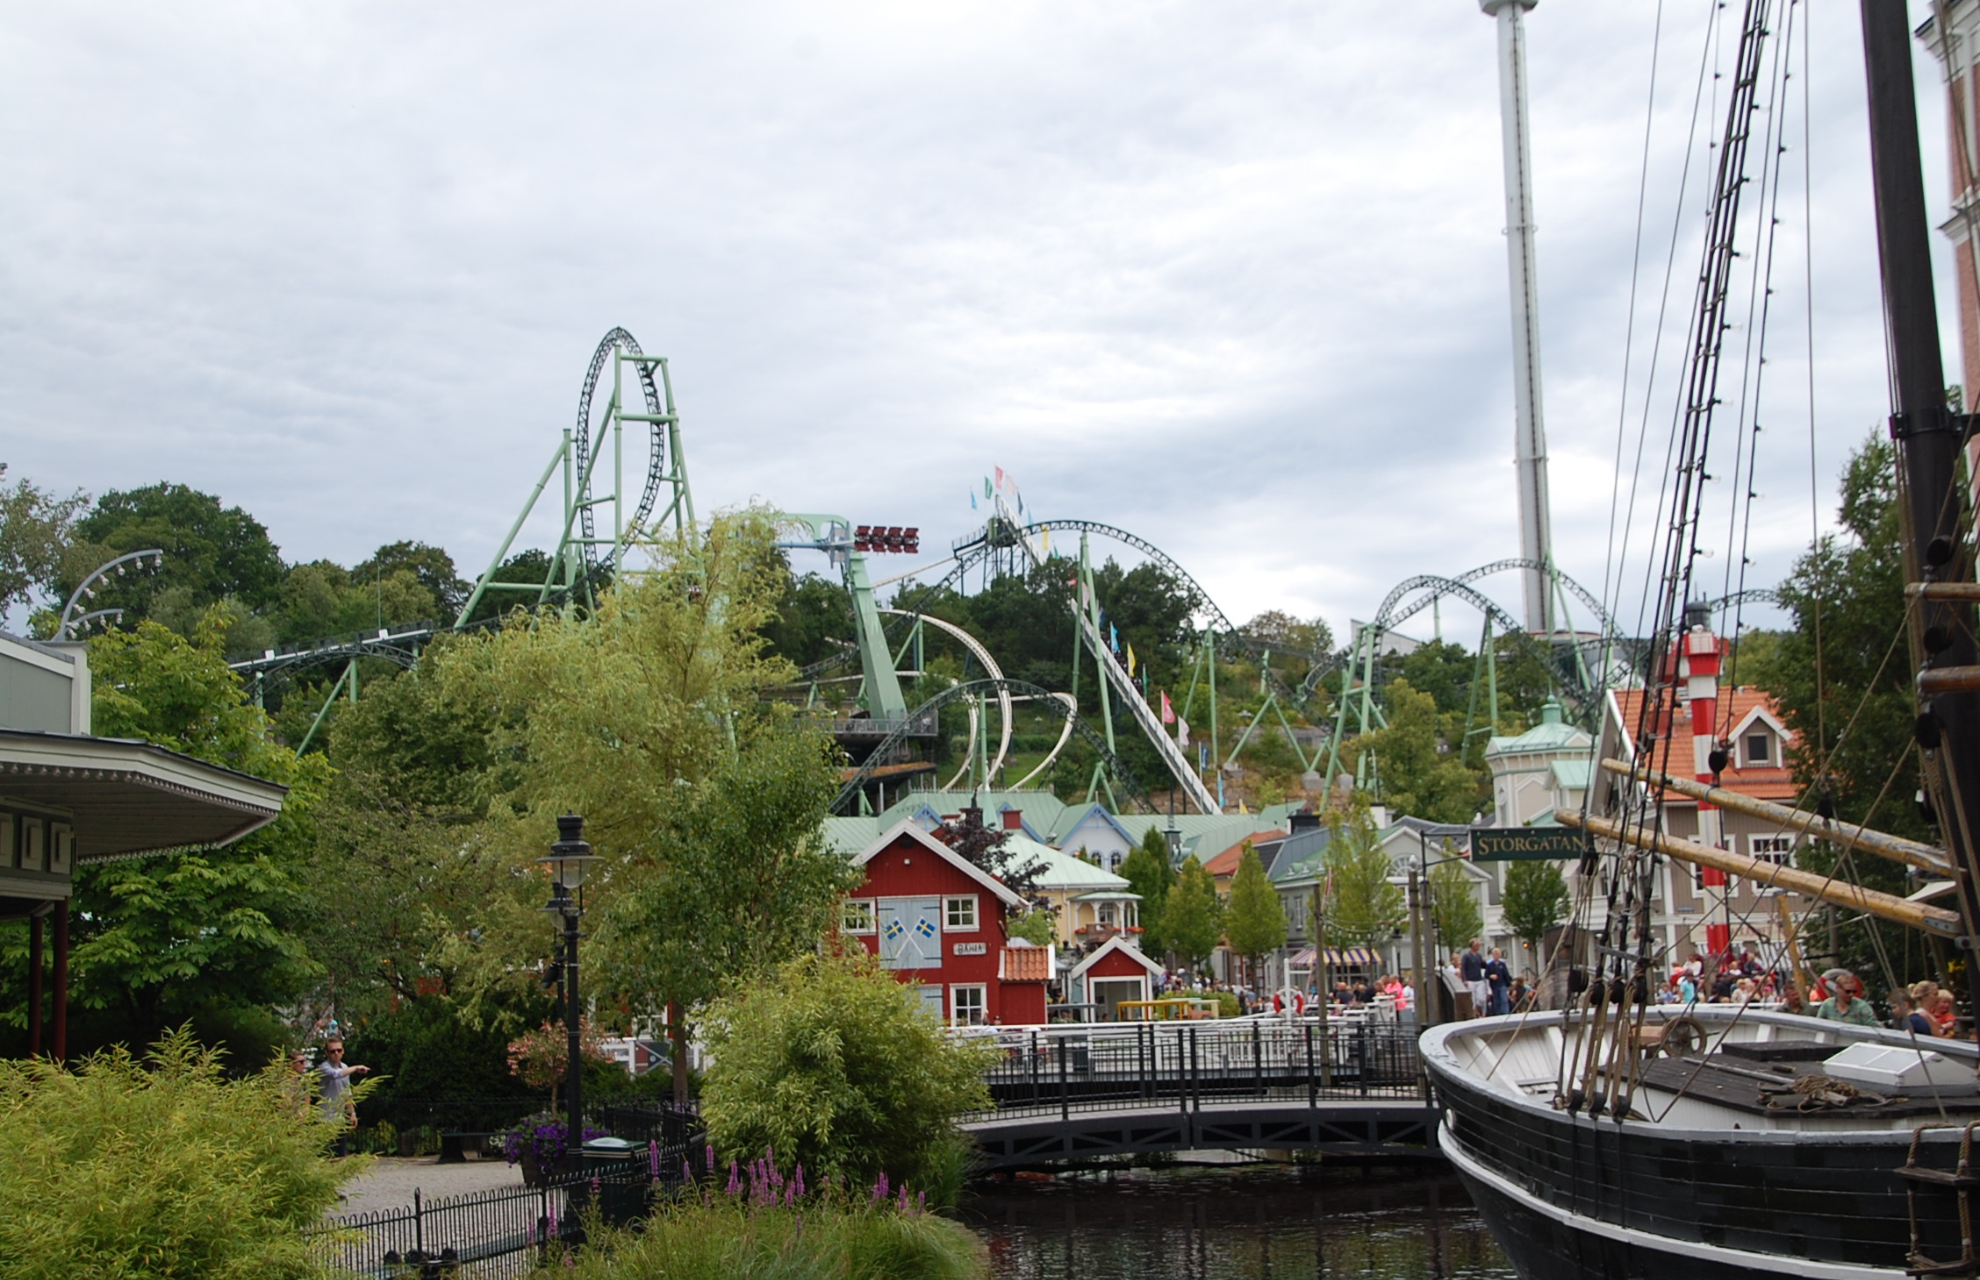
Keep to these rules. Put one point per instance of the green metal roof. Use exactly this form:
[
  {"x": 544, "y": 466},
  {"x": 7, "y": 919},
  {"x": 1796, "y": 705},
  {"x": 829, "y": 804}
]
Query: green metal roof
[
  {"x": 1553, "y": 733},
  {"x": 1573, "y": 775}
]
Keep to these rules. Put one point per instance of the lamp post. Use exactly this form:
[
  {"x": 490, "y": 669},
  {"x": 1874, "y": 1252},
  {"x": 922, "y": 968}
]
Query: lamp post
[
  {"x": 569, "y": 857},
  {"x": 84, "y": 590}
]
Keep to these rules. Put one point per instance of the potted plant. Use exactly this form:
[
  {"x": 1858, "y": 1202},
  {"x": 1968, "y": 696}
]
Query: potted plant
[{"x": 541, "y": 1145}]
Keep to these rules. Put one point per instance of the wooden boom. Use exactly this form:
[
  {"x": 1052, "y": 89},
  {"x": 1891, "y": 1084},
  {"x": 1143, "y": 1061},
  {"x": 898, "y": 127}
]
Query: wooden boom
[
  {"x": 1885, "y": 906},
  {"x": 1896, "y": 848}
]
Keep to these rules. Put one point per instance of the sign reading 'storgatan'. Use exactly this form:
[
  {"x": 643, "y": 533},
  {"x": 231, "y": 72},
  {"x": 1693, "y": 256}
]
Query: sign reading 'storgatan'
[{"x": 1521, "y": 844}]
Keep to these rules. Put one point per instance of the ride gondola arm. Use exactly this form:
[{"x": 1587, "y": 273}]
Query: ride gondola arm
[{"x": 1885, "y": 906}]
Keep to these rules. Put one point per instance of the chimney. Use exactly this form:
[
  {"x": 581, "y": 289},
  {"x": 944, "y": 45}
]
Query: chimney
[
  {"x": 1304, "y": 822},
  {"x": 1013, "y": 819}
]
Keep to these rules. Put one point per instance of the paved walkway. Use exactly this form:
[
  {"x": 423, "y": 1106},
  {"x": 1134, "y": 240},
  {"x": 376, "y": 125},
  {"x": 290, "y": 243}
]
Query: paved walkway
[{"x": 391, "y": 1180}]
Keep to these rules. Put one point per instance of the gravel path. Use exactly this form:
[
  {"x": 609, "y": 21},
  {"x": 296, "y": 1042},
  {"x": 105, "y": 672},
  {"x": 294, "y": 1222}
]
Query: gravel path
[{"x": 391, "y": 1180}]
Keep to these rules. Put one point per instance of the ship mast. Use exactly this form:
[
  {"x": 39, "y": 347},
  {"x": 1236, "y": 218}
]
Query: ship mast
[
  {"x": 1536, "y": 538},
  {"x": 1927, "y": 436}
]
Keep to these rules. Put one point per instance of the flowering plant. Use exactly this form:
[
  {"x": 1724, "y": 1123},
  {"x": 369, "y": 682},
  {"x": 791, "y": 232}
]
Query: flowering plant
[
  {"x": 540, "y": 1057},
  {"x": 543, "y": 1137}
]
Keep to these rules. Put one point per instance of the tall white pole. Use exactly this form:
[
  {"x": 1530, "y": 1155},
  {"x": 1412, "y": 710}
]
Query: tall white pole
[{"x": 1536, "y": 538}]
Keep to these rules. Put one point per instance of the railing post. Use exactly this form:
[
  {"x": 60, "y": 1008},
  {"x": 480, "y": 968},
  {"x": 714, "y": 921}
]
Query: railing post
[
  {"x": 1196, "y": 1070},
  {"x": 1257, "y": 1059},
  {"x": 419, "y": 1224},
  {"x": 1312, "y": 1083},
  {"x": 1065, "y": 1097},
  {"x": 1034, "y": 1068},
  {"x": 1361, "y": 1037}
]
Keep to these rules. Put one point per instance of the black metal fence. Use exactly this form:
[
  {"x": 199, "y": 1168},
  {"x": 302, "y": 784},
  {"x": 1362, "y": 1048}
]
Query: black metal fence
[
  {"x": 502, "y": 1232},
  {"x": 1105, "y": 1067}
]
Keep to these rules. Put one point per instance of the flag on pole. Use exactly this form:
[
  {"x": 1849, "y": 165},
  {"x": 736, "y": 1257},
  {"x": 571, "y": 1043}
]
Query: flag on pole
[
  {"x": 1000, "y": 476},
  {"x": 1182, "y": 732},
  {"x": 1048, "y": 542},
  {"x": 1168, "y": 712},
  {"x": 1203, "y": 762},
  {"x": 972, "y": 499},
  {"x": 986, "y": 488},
  {"x": 1114, "y": 637},
  {"x": 1130, "y": 659}
]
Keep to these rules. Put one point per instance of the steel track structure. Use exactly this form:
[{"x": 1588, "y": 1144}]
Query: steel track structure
[
  {"x": 850, "y": 789},
  {"x": 583, "y": 557}
]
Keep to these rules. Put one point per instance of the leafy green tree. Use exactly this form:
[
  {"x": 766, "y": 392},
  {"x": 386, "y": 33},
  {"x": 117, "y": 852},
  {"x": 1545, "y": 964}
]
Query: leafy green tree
[
  {"x": 1254, "y": 918},
  {"x": 35, "y": 529},
  {"x": 1148, "y": 873},
  {"x": 814, "y": 620},
  {"x": 1536, "y": 899},
  {"x": 530, "y": 567},
  {"x": 1845, "y": 664},
  {"x": 1192, "y": 918},
  {"x": 322, "y": 598},
  {"x": 1034, "y": 926},
  {"x": 1366, "y": 907},
  {"x": 830, "y": 1063},
  {"x": 211, "y": 551},
  {"x": 1420, "y": 775},
  {"x": 157, "y": 940},
  {"x": 431, "y": 567},
  {"x": 703, "y": 798},
  {"x": 1454, "y": 906},
  {"x": 161, "y": 1167}
]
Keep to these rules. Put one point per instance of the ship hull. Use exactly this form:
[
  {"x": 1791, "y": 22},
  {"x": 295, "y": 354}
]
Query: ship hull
[{"x": 1572, "y": 1198}]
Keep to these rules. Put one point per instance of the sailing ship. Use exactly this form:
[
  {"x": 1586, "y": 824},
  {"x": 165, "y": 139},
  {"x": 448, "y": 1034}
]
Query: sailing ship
[{"x": 1621, "y": 1138}]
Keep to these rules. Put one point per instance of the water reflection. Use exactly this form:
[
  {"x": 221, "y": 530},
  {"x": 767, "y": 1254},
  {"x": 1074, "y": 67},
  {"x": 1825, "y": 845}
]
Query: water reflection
[{"x": 1236, "y": 1224}]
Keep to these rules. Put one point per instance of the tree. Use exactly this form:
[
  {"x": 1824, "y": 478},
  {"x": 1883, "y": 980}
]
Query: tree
[
  {"x": 1254, "y": 918},
  {"x": 432, "y": 568},
  {"x": 100, "y": 1167},
  {"x": 214, "y": 932},
  {"x": 988, "y": 850},
  {"x": 211, "y": 551},
  {"x": 530, "y": 567},
  {"x": 35, "y": 528},
  {"x": 1192, "y": 918},
  {"x": 831, "y": 1064},
  {"x": 1367, "y": 909},
  {"x": 1535, "y": 900},
  {"x": 1149, "y": 874},
  {"x": 1845, "y": 664},
  {"x": 1286, "y": 634},
  {"x": 1454, "y": 906},
  {"x": 704, "y": 798},
  {"x": 1420, "y": 775}
]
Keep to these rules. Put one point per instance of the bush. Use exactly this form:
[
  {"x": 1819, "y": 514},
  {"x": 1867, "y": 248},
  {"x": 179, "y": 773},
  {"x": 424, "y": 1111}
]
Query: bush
[
  {"x": 160, "y": 1168},
  {"x": 832, "y": 1064},
  {"x": 755, "y": 1231}
]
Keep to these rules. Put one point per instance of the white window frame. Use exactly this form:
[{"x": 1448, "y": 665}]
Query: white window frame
[
  {"x": 866, "y": 907},
  {"x": 1775, "y": 849},
  {"x": 1746, "y": 755},
  {"x": 957, "y": 991},
  {"x": 950, "y": 923}
]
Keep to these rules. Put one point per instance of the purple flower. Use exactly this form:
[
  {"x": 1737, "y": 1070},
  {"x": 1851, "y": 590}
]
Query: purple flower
[
  {"x": 687, "y": 1173},
  {"x": 735, "y": 1179},
  {"x": 880, "y": 1188},
  {"x": 798, "y": 1181},
  {"x": 711, "y": 1157},
  {"x": 903, "y": 1205}
]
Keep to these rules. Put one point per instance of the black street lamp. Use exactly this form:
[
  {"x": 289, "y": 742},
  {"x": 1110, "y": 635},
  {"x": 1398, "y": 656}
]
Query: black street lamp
[{"x": 569, "y": 857}]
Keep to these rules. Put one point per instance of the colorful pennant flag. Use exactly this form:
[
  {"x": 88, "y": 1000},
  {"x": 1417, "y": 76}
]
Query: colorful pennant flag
[
  {"x": 986, "y": 488},
  {"x": 1130, "y": 659},
  {"x": 972, "y": 499},
  {"x": 1182, "y": 732},
  {"x": 1114, "y": 637},
  {"x": 1000, "y": 476},
  {"x": 1168, "y": 712}
]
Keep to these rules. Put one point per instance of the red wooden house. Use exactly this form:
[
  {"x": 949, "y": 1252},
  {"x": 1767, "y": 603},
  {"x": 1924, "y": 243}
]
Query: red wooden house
[{"x": 941, "y": 924}]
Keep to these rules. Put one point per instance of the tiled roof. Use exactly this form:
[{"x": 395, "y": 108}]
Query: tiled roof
[
  {"x": 1735, "y": 705},
  {"x": 1226, "y": 863},
  {"x": 1026, "y": 964}
]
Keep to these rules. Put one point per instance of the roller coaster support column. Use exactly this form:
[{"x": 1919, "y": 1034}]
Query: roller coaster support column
[
  {"x": 1089, "y": 600},
  {"x": 1210, "y": 646},
  {"x": 881, "y": 684}
]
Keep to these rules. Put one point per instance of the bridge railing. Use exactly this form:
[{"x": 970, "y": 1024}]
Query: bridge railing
[{"x": 1114, "y": 1066}]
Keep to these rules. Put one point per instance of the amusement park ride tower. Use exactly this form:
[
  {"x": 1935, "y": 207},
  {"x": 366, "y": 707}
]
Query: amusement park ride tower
[{"x": 1530, "y": 437}]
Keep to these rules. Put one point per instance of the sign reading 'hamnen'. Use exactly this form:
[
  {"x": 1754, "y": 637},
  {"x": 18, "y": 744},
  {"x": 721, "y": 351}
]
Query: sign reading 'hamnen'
[{"x": 1520, "y": 844}]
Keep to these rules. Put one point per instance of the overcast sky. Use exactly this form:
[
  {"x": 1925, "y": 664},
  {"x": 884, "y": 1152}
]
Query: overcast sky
[{"x": 1229, "y": 275}]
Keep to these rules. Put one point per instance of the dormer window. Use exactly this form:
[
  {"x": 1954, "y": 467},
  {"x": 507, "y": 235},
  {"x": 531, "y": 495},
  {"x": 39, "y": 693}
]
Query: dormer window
[{"x": 1759, "y": 748}]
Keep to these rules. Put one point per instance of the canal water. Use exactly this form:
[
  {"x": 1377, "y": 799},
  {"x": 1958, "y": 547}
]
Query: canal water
[{"x": 1248, "y": 1222}]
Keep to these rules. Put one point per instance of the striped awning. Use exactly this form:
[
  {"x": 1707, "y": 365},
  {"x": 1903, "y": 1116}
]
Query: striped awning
[{"x": 1337, "y": 957}]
